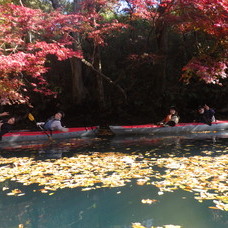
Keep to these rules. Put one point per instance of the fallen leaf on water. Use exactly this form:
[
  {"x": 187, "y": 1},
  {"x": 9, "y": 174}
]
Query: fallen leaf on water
[
  {"x": 137, "y": 225},
  {"x": 15, "y": 192},
  {"x": 205, "y": 176},
  {"x": 214, "y": 208},
  {"x": 148, "y": 201},
  {"x": 21, "y": 194}
]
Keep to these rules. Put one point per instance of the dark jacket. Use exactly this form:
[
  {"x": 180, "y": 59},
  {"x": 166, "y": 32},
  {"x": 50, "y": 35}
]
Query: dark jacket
[
  {"x": 5, "y": 128},
  {"x": 207, "y": 117}
]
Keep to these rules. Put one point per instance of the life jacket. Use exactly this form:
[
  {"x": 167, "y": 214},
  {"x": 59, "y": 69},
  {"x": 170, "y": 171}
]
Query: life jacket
[{"x": 175, "y": 118}]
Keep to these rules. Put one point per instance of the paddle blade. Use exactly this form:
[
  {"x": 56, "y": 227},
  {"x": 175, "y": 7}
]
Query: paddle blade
[{"x": 31, "y": 117}]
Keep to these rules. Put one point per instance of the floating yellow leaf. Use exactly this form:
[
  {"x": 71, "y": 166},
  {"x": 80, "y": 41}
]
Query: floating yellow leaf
[
  {"x": 148, "y": 201},
  {"x": 137, "y": 225},
  {"x": 214, "y": 208},
  {"x": 5, "y": 188},
  {"x": 198, "y": 174}
]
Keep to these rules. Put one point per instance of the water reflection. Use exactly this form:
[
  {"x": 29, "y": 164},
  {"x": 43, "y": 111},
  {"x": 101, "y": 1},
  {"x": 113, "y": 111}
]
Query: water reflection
[{"x": 149, "y": 144}]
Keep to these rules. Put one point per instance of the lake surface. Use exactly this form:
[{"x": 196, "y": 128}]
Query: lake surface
[{"x": 115, "y": 183}]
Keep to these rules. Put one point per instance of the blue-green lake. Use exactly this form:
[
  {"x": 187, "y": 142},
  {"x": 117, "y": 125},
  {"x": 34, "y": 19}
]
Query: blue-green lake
[{"x": 194, "y": 169}]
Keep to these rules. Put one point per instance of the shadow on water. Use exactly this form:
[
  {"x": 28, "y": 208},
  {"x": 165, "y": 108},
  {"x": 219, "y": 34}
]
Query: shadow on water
[
  {"x": 178, "y": 145},
  {"x": 117, "y": 207}
]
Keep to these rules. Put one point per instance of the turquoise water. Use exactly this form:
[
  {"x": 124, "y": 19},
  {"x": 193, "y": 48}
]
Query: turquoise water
[{"x": 116, "y": 207}]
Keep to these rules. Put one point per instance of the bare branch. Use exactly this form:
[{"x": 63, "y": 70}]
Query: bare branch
[{"x": 107, "y": 79}]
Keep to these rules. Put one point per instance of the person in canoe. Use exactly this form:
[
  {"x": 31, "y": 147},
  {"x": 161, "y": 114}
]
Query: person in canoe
[
  {"x": 205, "y": 115},
  {"x": 171, "y": 119},
  {"x": 6, "y": 126},
  {"x": 54, "y": 123}
]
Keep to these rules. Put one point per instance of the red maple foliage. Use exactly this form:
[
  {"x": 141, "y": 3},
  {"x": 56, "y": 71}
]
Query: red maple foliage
[
  {"x": 209, "y": 17},
  {"x": 95, "y": 27},
  {"x": 28, "y": 36},
  {"x": 206, "y": 16}
]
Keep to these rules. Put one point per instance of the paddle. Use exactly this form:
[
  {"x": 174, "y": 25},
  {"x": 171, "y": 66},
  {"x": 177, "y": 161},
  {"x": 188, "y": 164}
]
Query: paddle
[{"x": 32, "y": 118}]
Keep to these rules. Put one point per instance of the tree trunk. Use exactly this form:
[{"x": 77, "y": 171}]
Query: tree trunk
[
  {"x": 100, "y": 86},
  {"x": 162, "y": 45},
  {"x": 77, "y": 5},
  {"x": 55, "y": 4},
  {"x": 78, "y": 88},
  {"x": 99, "y": 79}
]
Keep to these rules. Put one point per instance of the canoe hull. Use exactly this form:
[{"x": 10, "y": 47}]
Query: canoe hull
[
  {"x": 41, "y": 135},
  {"x": 149, "y": 129},
  {"x": 184, "y": 128}
]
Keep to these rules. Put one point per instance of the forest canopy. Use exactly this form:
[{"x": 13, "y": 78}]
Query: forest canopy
[{"x": 112, "y": 52}]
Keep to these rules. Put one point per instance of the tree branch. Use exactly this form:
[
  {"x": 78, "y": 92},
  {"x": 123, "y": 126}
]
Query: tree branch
[
  {"x": 107, "y": 79},
  {"x": 55, "y": 4}
]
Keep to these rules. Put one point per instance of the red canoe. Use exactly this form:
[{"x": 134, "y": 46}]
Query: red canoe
[
  {"x": 42, "y": 135},
  {"x": 148, "y": 129}
]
